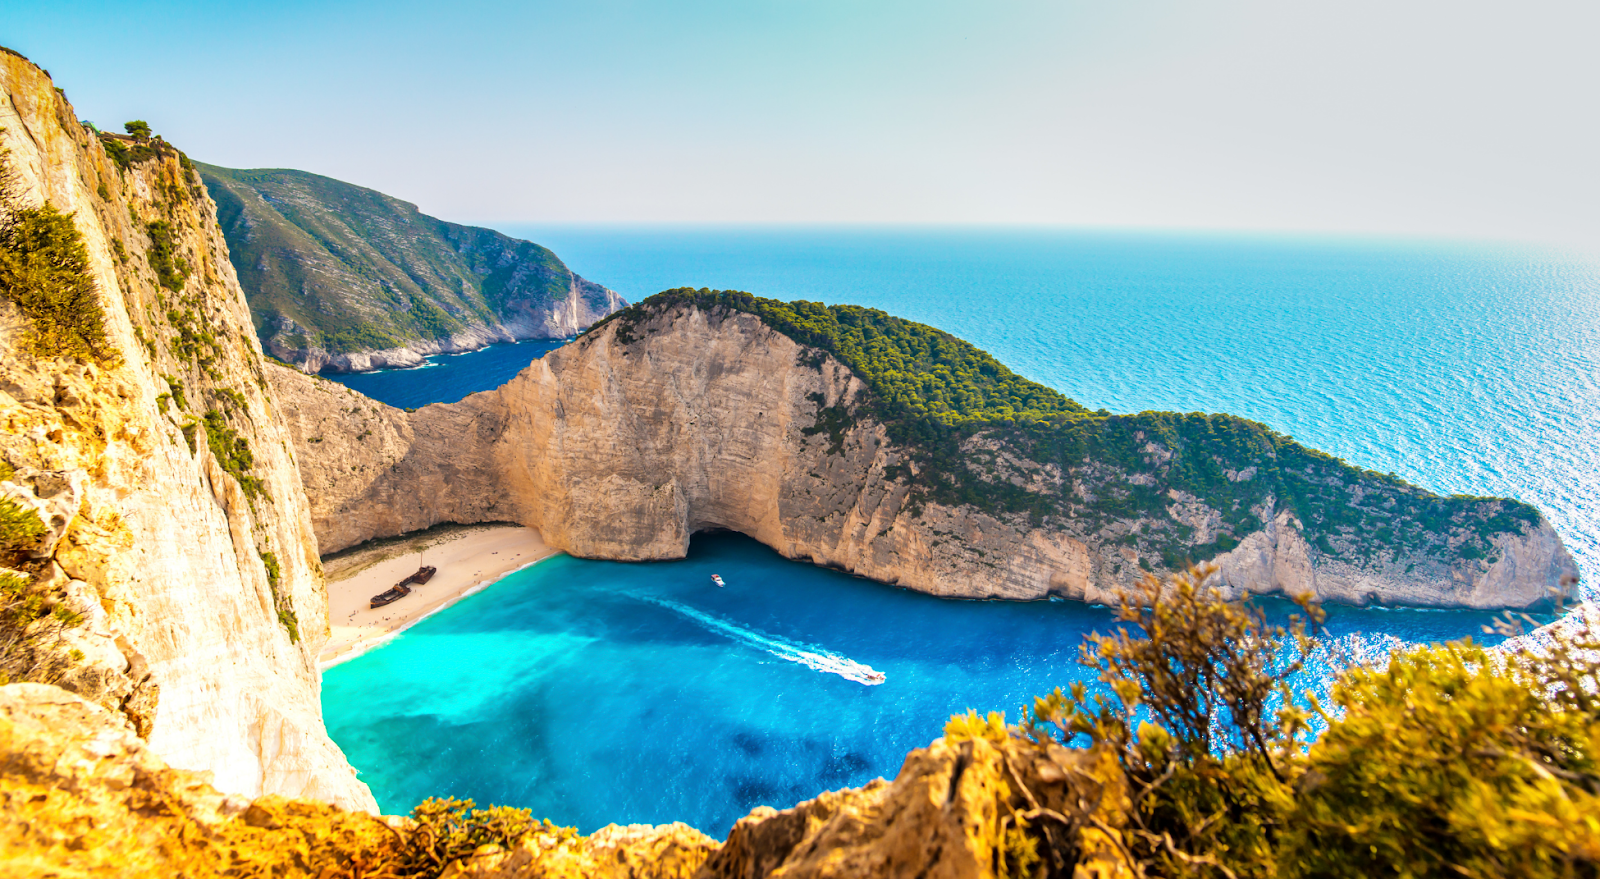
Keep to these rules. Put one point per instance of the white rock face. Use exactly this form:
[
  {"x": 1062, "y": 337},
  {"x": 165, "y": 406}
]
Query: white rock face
[
  {"x": 163, "y": 549},
  {"x": 622, "y": 449}
]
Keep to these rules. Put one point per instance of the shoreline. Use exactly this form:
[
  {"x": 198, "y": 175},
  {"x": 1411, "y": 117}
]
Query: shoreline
[{"x": 469, "y": 559}]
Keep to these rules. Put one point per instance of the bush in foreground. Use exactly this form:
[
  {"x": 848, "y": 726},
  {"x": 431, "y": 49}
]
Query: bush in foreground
[{"x": 1451, "y": 761}]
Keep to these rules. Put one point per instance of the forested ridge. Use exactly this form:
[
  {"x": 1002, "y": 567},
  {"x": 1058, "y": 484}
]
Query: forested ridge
[{"x": 978, "y": 433}]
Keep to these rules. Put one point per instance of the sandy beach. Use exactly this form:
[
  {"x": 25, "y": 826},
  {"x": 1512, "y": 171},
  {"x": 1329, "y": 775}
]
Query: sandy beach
[{"x": 468, "y": 558}]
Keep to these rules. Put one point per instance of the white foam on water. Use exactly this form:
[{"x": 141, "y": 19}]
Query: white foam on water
[{"x": 808, "y": 655}]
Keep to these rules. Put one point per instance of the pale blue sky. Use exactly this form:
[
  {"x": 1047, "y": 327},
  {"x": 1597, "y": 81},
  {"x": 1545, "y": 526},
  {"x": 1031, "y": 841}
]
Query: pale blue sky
[{"x": 1448, "y": 118}]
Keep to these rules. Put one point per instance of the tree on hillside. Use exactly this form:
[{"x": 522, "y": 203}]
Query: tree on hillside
[{"x": 139, "y": 129}]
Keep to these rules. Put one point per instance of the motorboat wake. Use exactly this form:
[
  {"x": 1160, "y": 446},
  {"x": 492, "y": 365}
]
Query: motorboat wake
[{"x": 808, "y": 655}]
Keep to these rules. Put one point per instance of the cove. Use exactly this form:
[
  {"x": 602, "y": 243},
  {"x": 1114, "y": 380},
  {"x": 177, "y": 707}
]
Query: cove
[
  {"x": 446, "y": 378},
  {"x": 597, "y": 692}
]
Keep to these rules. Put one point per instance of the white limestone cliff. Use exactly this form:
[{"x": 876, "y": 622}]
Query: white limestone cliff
[
  {"x": 167, "y": 555},
  {"x": 624, "y": 448}
]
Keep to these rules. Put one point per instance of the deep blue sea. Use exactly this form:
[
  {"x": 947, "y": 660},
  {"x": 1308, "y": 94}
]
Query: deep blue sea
[{"x": 596, "y": 692}]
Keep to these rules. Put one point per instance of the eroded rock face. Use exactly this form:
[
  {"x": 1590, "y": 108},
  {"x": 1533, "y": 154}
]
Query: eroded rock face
[
  {"x": 202, "y": 595},
  {"x": 622, "y": 448}
]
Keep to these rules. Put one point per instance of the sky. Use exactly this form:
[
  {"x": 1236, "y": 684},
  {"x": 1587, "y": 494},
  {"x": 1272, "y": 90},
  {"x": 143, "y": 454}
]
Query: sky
[{"x": 1452, "y": 119}]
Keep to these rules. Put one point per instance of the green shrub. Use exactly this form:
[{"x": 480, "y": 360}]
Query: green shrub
[
  {"x": 1455, "y": 762},
  {"x": 431, "y": 320},
  {"x": 20, "y": 528},
  {"x": 31, "y": 622},
  {"x": 280, "y": 599},
  {"x": 450, "y": 829},
  {"x": 175, "y": 388},
  {"x": 1196, "y": 705},
  {"x": 361, "y": 338},
  {"x": 44, "y": 271},
  {"x": 171, "y": 269},
  {"x": 1449, "y": 761},
  {"x": 127, "y": 154},
  {"x": 233, "y": 454}
]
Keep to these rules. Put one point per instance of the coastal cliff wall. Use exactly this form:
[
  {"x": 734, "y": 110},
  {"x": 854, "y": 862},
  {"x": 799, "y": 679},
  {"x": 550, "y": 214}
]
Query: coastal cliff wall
[
  {"x": 625, "y": 443},
  {"x": 176, "y": 523}
]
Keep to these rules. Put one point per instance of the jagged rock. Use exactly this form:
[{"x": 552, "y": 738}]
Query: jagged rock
[
  {"x": 81, "y": 795},
  {"x": 953, "y": 812},
  {"x": 636, "y": 851}
]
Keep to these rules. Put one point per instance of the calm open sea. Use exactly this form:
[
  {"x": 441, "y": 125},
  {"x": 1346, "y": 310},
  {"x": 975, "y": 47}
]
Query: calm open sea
[{"x": 596, "y": 692}]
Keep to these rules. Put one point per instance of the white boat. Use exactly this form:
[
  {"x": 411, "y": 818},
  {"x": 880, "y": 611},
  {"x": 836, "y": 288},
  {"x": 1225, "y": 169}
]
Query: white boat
[{"x": 717, "y": 580}]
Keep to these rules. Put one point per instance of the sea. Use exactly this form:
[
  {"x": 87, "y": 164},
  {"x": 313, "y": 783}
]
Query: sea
[{"x": 599, "y": 692}]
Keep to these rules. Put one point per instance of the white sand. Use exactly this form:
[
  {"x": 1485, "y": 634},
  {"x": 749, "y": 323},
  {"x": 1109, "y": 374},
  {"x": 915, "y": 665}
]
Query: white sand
[{"x": 468, "y": 559}]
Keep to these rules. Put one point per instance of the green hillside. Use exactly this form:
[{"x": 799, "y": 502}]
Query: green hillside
[{"x": 333, "y": 266}]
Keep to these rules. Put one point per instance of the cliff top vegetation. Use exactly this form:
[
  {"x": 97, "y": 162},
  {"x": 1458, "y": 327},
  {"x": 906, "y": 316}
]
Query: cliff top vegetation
[{"x": 953, "y": 407}]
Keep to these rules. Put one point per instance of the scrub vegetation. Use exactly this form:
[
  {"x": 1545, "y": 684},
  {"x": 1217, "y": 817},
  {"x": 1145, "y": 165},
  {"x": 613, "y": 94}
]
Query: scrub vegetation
[
  {"x": 44, "y": 272},
  {"x": 1190, "y": 757},
  {"x": 32, "y": 616},
  {"x": 979, "y": 434},
  {"x": 1450, "y": 760}
]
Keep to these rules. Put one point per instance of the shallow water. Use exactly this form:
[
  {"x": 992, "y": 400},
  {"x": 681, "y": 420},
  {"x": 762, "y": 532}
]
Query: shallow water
[{"x": 595, "y": 692}]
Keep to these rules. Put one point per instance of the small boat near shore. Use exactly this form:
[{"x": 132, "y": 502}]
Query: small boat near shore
[
  {"x": 403, "y": 588},
  {"x": 717, "y": 579}
]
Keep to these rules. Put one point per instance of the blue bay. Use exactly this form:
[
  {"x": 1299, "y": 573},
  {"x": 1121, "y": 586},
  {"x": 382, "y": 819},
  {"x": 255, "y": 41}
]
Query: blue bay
[{"x": 595, "y": 692}]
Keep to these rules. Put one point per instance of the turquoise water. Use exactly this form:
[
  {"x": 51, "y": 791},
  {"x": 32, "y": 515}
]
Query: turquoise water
[{"x": 596, "y": 692}]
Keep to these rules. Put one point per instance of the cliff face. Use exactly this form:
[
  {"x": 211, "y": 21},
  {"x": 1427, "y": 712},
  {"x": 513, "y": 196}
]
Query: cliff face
[
  {"x": 178, "y": 527},
  {"x": 341, "y": 278},
  {"x": 625, "y": 443}
]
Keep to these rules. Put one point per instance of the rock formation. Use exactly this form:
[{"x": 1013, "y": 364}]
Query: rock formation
[
  {"x": 626, "y": 442},
  {"x": 341, "y": 278},
  {"x": 955, "y": 810},
  {"x": 177, "y": 526}
]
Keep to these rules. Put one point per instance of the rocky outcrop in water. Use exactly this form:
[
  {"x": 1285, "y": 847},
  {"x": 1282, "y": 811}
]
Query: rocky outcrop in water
[
  {"x": 625, "y": 443},
  {"x": 177, "y": 527}
]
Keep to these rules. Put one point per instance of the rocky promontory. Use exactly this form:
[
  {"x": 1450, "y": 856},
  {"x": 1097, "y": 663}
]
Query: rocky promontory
[{"x": 815, "y": 431}]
